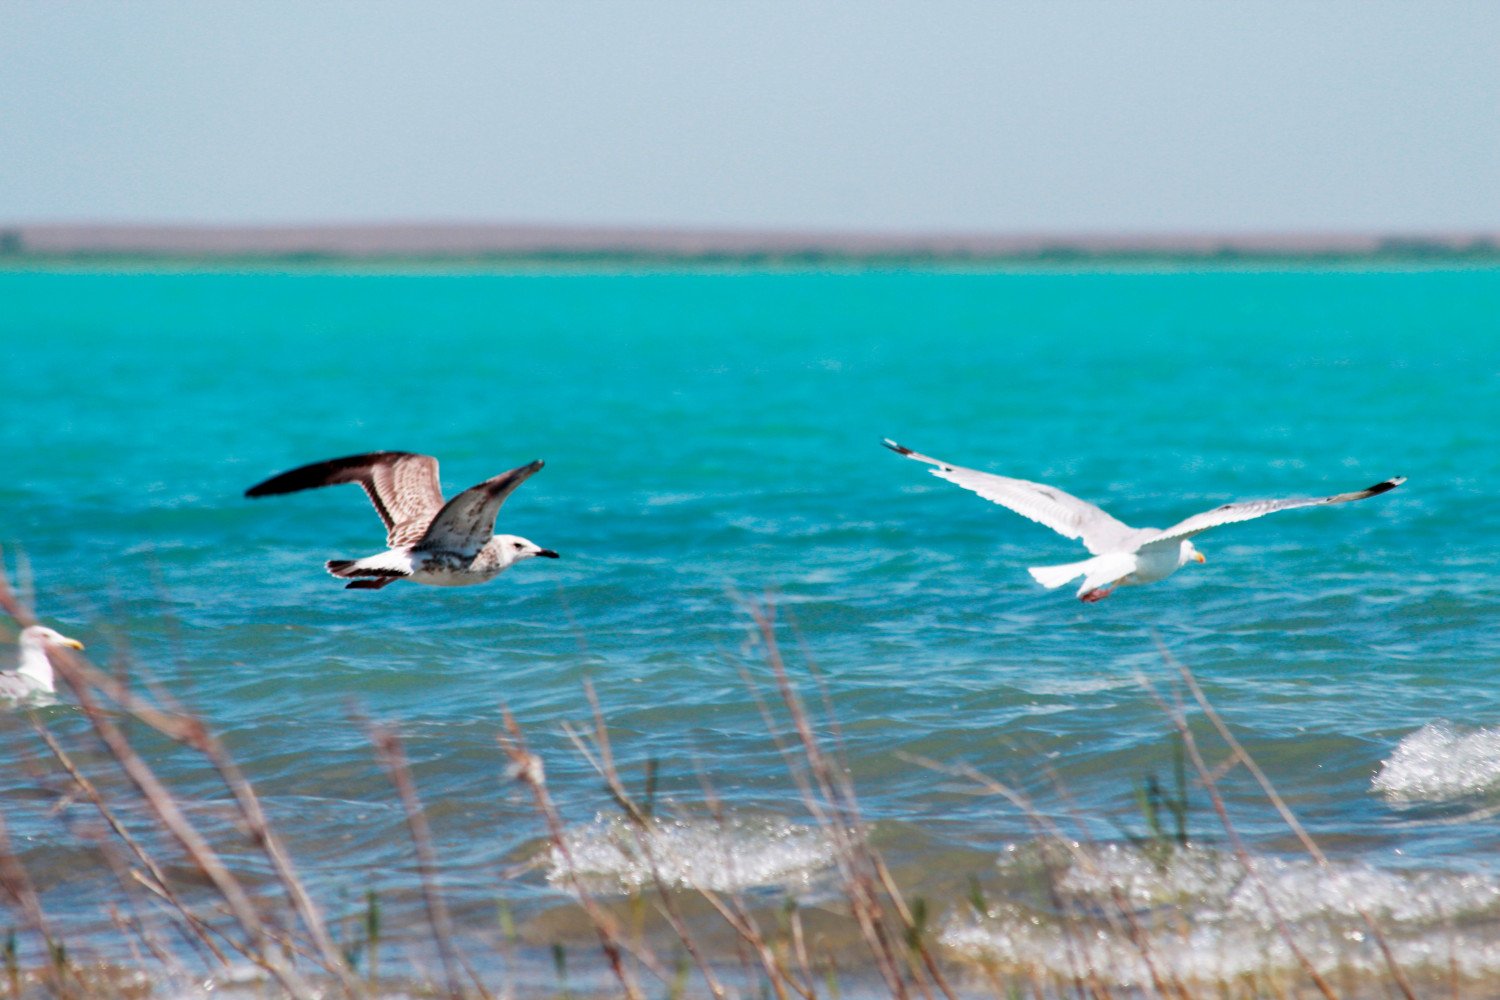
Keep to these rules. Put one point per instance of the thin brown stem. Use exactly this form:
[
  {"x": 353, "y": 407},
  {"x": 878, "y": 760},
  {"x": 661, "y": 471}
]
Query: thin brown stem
[
  {"x": 1240, "y": 754},
  {"x": 1241, "y": 852},
  {"x": 163, "y": 887},
  {"x": 392, "y": 755},
  {"x": 642, "y": 826},
  {"x": 172, "y": 819},
  {"x": 527, "y": 768}
]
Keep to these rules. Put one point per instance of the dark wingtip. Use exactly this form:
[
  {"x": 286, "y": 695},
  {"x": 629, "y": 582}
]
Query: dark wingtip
[
  {"x": 1386, "y": 486},
  {"x": 326, "y": 473},
  {"x": 899, "y": 449}
]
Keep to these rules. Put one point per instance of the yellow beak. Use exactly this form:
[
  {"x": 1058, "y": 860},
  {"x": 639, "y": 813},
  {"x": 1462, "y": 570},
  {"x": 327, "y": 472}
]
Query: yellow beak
[
  {"x": 71, "y": 644},
  {"x": 1200, "y": 557}
]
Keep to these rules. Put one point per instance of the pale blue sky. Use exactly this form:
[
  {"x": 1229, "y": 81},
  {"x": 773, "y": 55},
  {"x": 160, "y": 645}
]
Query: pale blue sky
[{"x": 974, "y": 116}]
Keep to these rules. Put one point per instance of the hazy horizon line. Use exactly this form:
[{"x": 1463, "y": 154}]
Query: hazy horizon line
[{"x": 481, "y": 238}]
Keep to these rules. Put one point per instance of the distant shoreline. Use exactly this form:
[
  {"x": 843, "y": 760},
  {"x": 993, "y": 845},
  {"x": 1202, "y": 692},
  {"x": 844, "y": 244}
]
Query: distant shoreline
[{"x": 478, "y": 244}]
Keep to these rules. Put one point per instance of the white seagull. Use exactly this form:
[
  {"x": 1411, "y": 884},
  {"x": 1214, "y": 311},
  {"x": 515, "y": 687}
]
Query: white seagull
[
  {"x": 449, "y": 544},
  {"x": 34, "y": 680},
  {"x": 1122, "y": 555}
]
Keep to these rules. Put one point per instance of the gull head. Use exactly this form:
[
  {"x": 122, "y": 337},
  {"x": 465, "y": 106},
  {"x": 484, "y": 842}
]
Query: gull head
[
  {"x": 1188, "y": 553},
  {"x": 35, "y": 636},
  {"x": 36, "y": 669},
  {"x": 515, "y": 548}
]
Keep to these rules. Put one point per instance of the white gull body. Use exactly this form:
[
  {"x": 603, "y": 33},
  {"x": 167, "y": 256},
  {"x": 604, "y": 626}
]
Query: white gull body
[
  {"x": 1122, "y": 556},
  {"x": 440, "y": 544},
  {"x": 33, "y": 680}
]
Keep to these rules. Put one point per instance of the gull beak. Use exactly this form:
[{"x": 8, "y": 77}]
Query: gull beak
[
  {"x": 71, "y": 643},
  {"x": 1200, "y": 557},
  {"x": 547, "y": 554}
]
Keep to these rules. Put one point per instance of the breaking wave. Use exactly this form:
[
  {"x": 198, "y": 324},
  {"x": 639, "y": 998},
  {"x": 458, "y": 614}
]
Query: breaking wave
[
  {"x": 612, "y": 855},
  {"x": 1198, "y": 914},
  {"x": 1439, "y": 763}
]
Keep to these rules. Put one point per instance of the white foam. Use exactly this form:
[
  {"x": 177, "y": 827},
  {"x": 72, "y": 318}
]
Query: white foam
[
  {"x": 1439, "y": 763},
  {"x": 613, "y": 855},
  {"x": 1197, "y": 914}
]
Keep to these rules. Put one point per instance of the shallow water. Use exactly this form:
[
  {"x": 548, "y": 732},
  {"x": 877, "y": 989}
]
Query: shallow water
[{"x": 710, "y": 435}]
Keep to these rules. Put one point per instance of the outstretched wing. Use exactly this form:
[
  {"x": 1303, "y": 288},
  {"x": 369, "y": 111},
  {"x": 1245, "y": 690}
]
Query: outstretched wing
[
  {"x": 1247, "y": 510},
  {"x": 403, "y": 487},
  {"x": 467, "y": 523},
  {"x": 1063, "y": 513}
]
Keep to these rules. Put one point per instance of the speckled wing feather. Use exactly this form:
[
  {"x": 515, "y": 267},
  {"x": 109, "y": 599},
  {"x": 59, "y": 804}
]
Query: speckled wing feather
[
  {"x": 1046, "y": 505},
  {"x": 1247, "y": 510},
  {"x": 403, "y": 487},
  {"x": 467, "y": 523}
]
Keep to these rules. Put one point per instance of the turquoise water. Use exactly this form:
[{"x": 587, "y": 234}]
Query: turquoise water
[{"x": 712, "y": 435}]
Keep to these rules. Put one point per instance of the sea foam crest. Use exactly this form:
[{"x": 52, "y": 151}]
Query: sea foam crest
[
  {"x": 1198, "y": 914},
  {"x": 613, "y": 855},
  {"x": 1439, "y": 763}
]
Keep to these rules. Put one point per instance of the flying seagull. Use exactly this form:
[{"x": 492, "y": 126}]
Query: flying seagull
[
  {"x": 33, "y": 680},
  {"x": 1122, "y": 555},
  {"x": 442, "y": 544}
]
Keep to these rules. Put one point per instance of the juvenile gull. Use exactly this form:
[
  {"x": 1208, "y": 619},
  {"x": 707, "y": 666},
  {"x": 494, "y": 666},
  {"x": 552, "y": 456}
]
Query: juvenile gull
[
  {"x": 1122, "y": 555},
  {"x": 449, "y": 544},
  {"x": 34, "y": 680}
]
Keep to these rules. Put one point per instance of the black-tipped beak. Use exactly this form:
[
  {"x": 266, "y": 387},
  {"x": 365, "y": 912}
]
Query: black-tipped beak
[{"x": 547, "y": 554}]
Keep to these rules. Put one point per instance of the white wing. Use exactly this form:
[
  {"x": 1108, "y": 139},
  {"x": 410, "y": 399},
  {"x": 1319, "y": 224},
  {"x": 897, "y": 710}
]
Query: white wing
[
  {"x": 1247, "y": 510},
  {"x": 1062, "y": 512},
  {"x": 467, "y": 522}
]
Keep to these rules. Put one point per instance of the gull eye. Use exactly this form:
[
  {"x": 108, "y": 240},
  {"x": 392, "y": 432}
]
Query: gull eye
[{"x": 516, "y": 545}]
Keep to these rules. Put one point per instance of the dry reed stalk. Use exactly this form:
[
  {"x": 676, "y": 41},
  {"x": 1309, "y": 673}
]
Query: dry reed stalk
[
  {"x": 269, "y": 844},
  {"x": 1207, "y": 778},
  {"x": 10, "y": 603},
  {"x": 1239, "y": 754},
  {"x": 161, "y": 887},
  {"x": 1121, "y": 919},
  {"x": 814, "y": 794},
  {"x": 392, "y": 756},
  {"x": 909, "y": 925},
  {"x": 603, "y": 763},
  {"x": 169, "y": 815},
  {"x": 829, "y": 796},
  {"x": 192, "y": 732},
  {"x": 853, "y": 877},
  {"x": 527, "y": 768},
  {"x": 732, "y": 909},
  {"x": 17, "y": 884}
]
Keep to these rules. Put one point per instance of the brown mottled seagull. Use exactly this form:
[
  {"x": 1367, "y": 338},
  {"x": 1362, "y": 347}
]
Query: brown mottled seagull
[
  {"x": 449, "y": 544},
  {"x": 1122, "y": 556},
  {"x": 33, "y": 680}
]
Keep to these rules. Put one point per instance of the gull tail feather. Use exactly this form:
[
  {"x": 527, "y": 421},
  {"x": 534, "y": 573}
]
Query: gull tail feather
[
  {"x": 1055, "y": 576},
  {"x": 363, "y": 584},
  {"x": 385, "y": 565}
]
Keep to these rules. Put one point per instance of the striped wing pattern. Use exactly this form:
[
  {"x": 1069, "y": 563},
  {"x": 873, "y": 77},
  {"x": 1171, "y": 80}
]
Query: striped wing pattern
[
  {"x": 1247, "y": 510},
  {"x": 467, "y": 523},
  {"x": 402, "y": 486},
  {"x": 1046, "y": 505}
]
